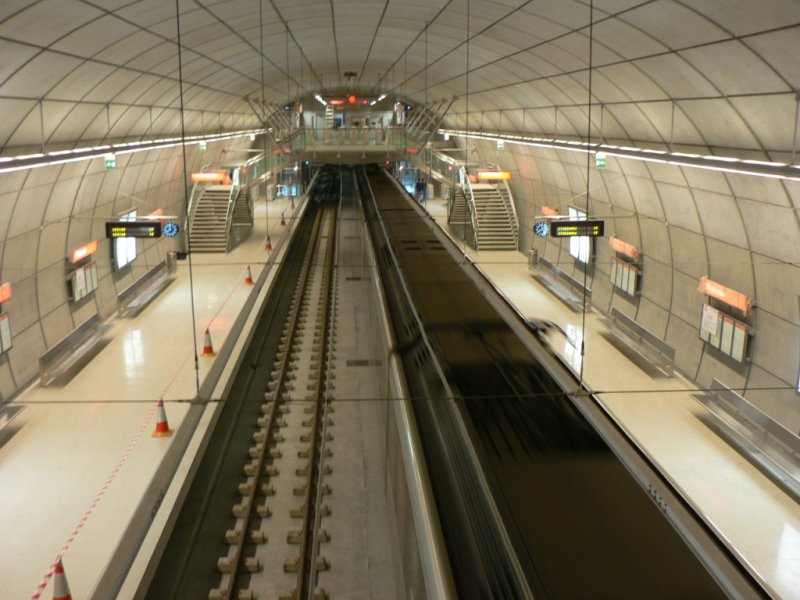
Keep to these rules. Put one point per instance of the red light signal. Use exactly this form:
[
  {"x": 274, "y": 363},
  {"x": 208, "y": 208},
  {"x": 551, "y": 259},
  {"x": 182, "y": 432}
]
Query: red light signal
[{"x": 351, "y": 99}]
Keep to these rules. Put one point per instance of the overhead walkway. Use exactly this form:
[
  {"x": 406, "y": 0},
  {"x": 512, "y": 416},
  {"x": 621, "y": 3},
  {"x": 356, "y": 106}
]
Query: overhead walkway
[{"x": 351, "y": 145}]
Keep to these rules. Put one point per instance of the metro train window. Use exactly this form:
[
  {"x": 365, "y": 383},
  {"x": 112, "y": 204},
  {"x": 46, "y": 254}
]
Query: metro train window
[
  {"x": 125, "y": 248},
  {"x": 578, "y": 246}
]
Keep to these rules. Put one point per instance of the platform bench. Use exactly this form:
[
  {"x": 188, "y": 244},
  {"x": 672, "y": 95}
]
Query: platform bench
[
  {"x": 72, "y": 353},
  {"x": 773, "y": 448},
  {"x": 7, "y": 414},
  {"x": 135, "y": 298},
  {"x": 648, "y": 346},
  {"x": 563, "y": 286}
]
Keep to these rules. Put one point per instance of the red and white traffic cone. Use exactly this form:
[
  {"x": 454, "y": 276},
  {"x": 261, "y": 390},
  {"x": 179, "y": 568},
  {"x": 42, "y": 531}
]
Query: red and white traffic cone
[
  {"x": 268, "y": 245},
  {"x": 283, "y": 220},
  {"x": 208, "y": 349},
  {"x": 60, "y": 585},
  {"x": 162, "y": 427},
  {"x": 248, "y": 279}
]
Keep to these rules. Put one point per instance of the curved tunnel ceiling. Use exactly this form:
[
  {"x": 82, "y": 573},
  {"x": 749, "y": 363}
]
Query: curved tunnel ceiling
[
  {"x": 700, "y": 73},
  {"x": 703, "y": 76}
]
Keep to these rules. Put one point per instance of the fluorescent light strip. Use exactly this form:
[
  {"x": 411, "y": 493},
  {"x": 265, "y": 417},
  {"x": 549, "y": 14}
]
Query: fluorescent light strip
[
  {"x": 725, "y": 164},
  {"x": 60, "y": 157}
]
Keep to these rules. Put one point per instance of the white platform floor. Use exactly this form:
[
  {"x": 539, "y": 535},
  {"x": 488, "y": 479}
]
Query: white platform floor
[{"x": 78, "y": 457}]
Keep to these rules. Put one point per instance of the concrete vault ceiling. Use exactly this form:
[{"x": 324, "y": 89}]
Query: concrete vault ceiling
[{"x": 708, "y": 73}]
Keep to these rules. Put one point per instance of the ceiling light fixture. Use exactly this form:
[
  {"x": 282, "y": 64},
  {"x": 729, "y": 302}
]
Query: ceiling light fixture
[
  {"x": 725, "y": 164},
  {"x": 10, "y": 164}
]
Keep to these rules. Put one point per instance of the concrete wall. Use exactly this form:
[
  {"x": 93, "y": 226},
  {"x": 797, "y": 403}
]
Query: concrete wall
[
  {"x": 47, "y": 212},
  {"x": 739, "y": 230}
]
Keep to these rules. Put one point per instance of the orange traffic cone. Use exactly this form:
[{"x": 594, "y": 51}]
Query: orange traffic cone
[
  {"x": 162, "y": 427},
  {"x": 283, "y": 221},
  {"x": 268, "y": 245},
  {"x": 60, "y": 586},
  {"x": 249, "y": 277},
  {"x": 208, "y": 349}
]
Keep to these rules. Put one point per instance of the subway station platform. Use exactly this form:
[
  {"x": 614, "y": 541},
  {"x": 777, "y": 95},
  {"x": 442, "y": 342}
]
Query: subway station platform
[{"x": 76, "y": 461}]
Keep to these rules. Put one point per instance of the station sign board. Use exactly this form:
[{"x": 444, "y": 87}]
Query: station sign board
[
  {"x": 494, "y": 175},
  {"x": 562, "y": 229},
  {"x": 209, "y": 176},
  {"x": 133, "y": 229}
]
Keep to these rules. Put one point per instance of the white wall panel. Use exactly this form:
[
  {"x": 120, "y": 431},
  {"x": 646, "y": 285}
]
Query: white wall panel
[
  {"x": 29, "y": 210},
  {"x": 51, "y": 292}
]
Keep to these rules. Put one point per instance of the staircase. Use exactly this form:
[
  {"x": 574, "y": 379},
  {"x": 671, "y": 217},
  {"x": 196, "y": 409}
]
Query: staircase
[
  {"x": 496, "y": 224},
  {"x": 459, "y": 212},
  {"x": 208, "y": 231},
  {"x": 241, "y": 208},
  {"x": 328, "y": 117}
]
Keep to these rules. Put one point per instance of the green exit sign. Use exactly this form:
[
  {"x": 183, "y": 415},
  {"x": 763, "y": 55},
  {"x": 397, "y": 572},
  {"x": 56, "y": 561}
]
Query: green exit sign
[
  {"x": 501, "y": 144},
  {"x": 203, "y": 146},
  {"x": 111, "y": 161},
  {"x": 600, "y": 160}
]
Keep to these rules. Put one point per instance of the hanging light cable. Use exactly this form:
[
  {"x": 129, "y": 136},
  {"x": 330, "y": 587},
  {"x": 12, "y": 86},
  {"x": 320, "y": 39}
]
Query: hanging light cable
[
  {"x": 466, "y": 126},
  {"x": 430, "y": 150},
  {"x": 186, "y": 200},
  {"x": 268, "y": 244},
  {"x": 588, "y": 186}
]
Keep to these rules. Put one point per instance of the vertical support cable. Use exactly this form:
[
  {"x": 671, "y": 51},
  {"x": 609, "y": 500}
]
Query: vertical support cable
[
  {"x": 466, "y": 139},
  {"x": 430, "y": 153},
  {"x": 589, "y": 157},
  {"x": 672, "y": 126},
  {"x": 288, "y": 79},
  {"x": 264, "y": 111},
  {"x": 796, "y": 123},
  {"x": 41, "y": 122},
  {"x": 186, "y": 199}
]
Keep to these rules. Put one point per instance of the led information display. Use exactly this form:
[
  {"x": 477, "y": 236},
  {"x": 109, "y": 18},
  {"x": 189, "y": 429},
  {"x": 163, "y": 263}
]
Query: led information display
[
  {"x": 133, "y": 229},
  {"x": 563, "y": 229}
]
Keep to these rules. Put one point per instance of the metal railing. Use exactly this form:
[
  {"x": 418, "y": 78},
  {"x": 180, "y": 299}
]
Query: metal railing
[
  {"x": 440, "y": 165},
  {"x": 505, "y": 191},
  {"x": 389, "y": 139},
  {"x": 260, "y": 166},
  {"x": 229, "y": 216},
  {"x": 473, "y": 213},
  {"x": 193, "y": 201}
]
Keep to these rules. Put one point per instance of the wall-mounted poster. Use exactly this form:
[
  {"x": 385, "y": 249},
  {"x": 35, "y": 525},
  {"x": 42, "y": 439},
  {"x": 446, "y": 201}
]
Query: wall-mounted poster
[{"x": 5, "y": 333}]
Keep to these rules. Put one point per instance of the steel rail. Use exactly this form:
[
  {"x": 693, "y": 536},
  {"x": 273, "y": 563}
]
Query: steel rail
[
  {"x": 279, "y": 378},
  {"x": 305, "y": 585}
]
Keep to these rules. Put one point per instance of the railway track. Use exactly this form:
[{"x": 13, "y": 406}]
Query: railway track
[
  {"x": 251, "y": 522},
  {"x": 305, "y": 334}
]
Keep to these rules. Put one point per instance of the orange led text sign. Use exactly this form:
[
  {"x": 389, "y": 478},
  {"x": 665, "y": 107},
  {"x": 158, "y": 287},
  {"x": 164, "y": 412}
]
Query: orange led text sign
[{"x": 724, "y": 294}]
